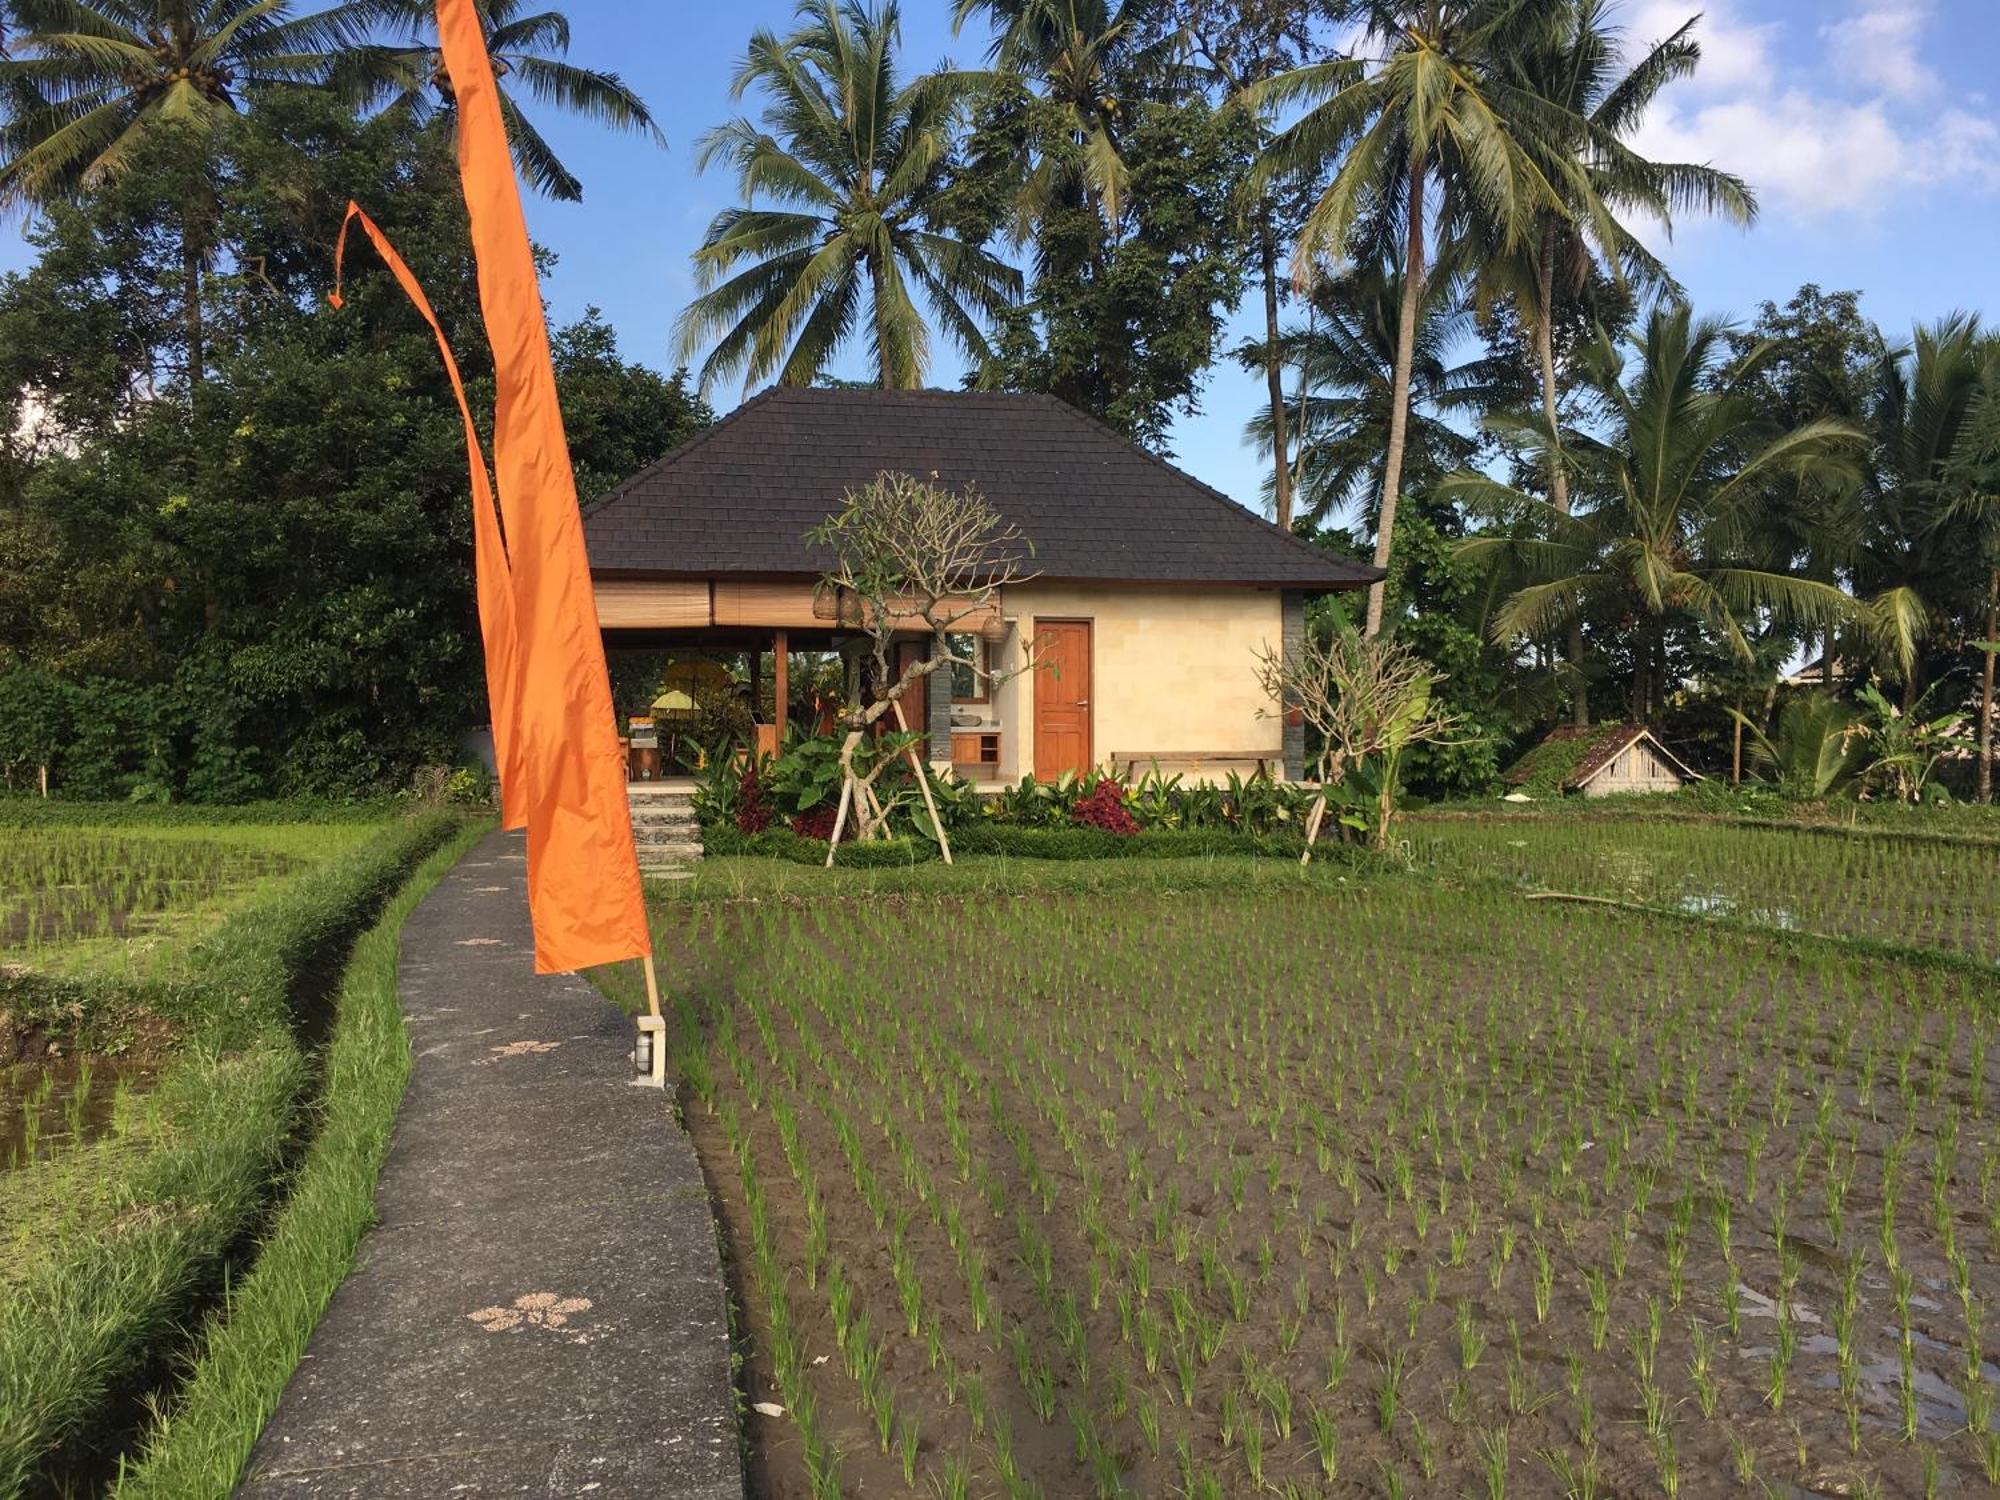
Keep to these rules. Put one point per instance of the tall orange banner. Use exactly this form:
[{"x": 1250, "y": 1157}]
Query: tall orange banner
[
  {"x": 583, "y": 873},
  {"x": 494, "y": 583}
]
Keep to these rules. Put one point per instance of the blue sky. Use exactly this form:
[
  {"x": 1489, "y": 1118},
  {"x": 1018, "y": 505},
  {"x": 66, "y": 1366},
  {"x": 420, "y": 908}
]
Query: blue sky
[{"x": 1862, "y": 123}]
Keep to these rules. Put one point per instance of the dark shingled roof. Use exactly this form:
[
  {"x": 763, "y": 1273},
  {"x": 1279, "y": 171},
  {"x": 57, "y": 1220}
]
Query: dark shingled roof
[{"x": 740, "y": 498}]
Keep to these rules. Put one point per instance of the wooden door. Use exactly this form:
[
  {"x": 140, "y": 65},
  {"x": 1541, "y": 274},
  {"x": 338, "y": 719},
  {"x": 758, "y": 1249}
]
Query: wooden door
[
  {"x": 1062, "y": 698},
  {"x": 916, "y": 702}
]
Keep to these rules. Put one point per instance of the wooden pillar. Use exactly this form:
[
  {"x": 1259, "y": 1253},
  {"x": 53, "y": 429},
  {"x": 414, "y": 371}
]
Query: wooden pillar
[
  {"x": 756, "y": 686},
  {"x": 781, "y": 683}
]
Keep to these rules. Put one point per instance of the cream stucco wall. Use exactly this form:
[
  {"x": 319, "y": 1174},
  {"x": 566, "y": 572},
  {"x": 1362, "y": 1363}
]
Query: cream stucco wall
[{"x": 1172, "y": 669}]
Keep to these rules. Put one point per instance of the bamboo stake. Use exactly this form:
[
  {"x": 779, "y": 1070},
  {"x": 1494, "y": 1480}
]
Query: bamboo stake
[
  {"x": 840, "y": 817},
  {"x": 924, "y": 783},
  {"x": 652, "y": 985},
  {"x": 1313, "y": 820}
]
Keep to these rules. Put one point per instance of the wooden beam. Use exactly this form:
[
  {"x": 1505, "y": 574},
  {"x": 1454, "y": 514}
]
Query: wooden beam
[{"x": 781, "y": 682}]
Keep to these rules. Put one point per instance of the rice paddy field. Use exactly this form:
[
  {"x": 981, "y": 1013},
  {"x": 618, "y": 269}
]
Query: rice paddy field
[
  {"x": 1390, "y": 1186},
  {"x": 117, "y": 898},
  {"x": 109, "y": 905},
  {"x": 1916, "y": 891}
]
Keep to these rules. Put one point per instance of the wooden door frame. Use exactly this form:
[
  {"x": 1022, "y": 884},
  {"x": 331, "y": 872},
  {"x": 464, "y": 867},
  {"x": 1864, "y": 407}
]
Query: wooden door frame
[{"x": 1089, "y": 625}]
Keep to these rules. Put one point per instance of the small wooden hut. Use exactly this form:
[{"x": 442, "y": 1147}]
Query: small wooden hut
[{"x": 1600, "y": 760}]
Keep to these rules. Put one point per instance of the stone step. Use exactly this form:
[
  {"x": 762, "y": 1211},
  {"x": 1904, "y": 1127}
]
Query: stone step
[{"x": 664, "y": 849}]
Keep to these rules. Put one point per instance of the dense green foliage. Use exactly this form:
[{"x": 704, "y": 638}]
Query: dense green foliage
[
  {"x": 260, "y": 586},
  {"x": 233, "y": 543}
]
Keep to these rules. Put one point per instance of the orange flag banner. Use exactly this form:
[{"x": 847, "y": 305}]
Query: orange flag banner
[
  {"x": 583, "y": 873},
  {"x": 494, "y": 580}
]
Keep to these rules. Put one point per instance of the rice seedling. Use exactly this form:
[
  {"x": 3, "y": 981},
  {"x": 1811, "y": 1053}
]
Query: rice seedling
[{"x": 1149, "y": 1167}]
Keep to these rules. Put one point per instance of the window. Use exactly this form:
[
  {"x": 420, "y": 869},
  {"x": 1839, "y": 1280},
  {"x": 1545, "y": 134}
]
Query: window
[{"x": 967, "y": 686}]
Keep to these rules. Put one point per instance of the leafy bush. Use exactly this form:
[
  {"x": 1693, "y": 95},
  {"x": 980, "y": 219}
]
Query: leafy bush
[{"x": 1105, "y": 809}]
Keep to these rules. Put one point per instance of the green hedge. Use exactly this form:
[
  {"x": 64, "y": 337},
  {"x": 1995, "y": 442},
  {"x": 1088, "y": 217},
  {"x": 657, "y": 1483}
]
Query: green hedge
[
  {"x": 1024, "y": 843},
  {"x": 99, "y": 1313}
]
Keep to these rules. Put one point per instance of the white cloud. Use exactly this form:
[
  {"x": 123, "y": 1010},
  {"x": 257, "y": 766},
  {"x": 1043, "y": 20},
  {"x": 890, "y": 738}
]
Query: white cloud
[
  {"x": 1735, "y": 53},
  {"x": 1877, "y": 47},
  {"x": 1968, "y": 149},
  {"x": 1815, "y": 141},
  {"x": 1804, "y": 154}
]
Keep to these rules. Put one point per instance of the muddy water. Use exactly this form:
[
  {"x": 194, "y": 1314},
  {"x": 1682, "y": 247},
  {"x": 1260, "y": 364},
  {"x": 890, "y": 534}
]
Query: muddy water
[{"x": 58, "y": 1103}]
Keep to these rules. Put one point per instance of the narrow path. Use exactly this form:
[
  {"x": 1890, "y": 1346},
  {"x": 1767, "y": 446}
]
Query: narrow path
[{"x": 540, "y": 1310}]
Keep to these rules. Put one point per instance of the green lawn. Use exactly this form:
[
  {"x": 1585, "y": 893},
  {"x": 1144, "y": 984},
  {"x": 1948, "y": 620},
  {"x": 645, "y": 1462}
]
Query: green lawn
[{"x": 1224, "y": 1180}]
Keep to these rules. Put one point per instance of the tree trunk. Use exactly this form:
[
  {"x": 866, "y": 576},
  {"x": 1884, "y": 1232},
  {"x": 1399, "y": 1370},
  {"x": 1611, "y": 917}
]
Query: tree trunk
[
  {"x": 1986, "y": 685},
  {"x": 875, "y": 281},
  {"x": 1274, "y": 372},
  {"x": 1736, "y": 746},
  {"x": 191, "y": 294},
  {"x": 1399, "y": 399},
  {"x": 1545, "y": 356}
]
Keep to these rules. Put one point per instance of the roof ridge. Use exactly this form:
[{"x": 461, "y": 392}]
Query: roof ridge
[{"x": 1202, "y": 487}]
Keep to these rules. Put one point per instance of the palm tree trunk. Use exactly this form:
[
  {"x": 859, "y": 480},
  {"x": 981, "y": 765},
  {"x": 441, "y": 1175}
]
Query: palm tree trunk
[
  {"x": 191, "y": 295},
  {"x": 1399, "y": 400},
  {"x": 1736, "y": 746},
  {"x": 1986, "y": 686},
  {"x": 1274, "y": 372},
  {"x": 884, "y": 373},
  {"x": 1545, "y": 355}
]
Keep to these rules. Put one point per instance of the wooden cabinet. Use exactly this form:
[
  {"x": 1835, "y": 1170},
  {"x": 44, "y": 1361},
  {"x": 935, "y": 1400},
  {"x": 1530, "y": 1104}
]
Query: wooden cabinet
[{"x": 975, "y": 749}]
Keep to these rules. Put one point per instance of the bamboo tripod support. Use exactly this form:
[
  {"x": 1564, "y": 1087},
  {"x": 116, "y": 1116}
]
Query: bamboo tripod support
[{"x": 853, "y": 788}]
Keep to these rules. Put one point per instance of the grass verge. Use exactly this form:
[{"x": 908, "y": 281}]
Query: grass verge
[
  {"x": 97, "y": 1321},
  {"x": 252, "y": 1344}
]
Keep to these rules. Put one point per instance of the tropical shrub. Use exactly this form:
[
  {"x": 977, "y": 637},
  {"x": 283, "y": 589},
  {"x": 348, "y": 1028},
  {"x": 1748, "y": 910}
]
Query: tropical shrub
[{"x": 1105, "y": 809}]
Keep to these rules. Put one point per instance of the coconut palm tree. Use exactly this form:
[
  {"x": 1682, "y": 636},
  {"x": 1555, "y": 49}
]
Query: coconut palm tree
[
  {"x": 1424, "y": 113},
  {"x": 854, "y": 156},
  {"x": 1975, "y": 482},
  {"x": 1076, "y": 50},
  {"x": 529, "y": 53},
  {"x": 1908, "y": 552},
  {"x": 86, "y": 84},
  {"x": 1346, "y": 358},
  {"x": 1667, "y": 495},
  {"x": 1572, "y": 61}
]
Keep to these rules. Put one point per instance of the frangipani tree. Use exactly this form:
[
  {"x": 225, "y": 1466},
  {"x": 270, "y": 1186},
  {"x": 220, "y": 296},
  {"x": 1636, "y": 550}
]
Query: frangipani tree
[
  {"x": 909, "y": 556},
  {"x": 1368, "y": 698}
]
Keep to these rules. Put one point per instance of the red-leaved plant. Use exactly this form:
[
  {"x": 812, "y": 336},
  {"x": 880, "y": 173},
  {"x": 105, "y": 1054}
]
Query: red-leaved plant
[
  {"x": 753, "y": 812},
  {"x": 1105, "y": 808},
  {"x": 816, "y": 824}
]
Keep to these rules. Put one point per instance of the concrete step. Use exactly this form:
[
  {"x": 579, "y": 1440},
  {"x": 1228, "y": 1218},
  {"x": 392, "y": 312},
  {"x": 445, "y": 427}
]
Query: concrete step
[{"x": 667, "y": 849}]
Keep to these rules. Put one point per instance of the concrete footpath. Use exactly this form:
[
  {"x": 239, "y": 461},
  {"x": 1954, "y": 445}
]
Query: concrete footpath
[{"x": 540, "y": 1310}]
